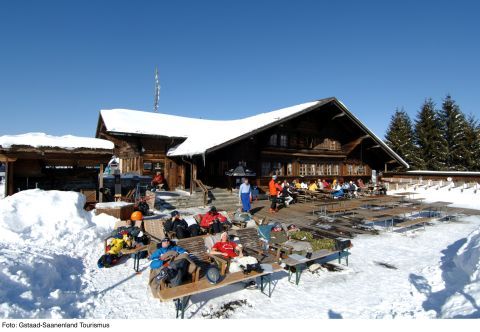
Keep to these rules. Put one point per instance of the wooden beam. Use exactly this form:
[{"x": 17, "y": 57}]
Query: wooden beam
[
  {"x": 350, "y": 146},
  {"x": 339, "y": 115},
  {"x": 4, "y": 158},
  {"x": 289, "y": 154},
  {"x": 9, "y": 177},
  {"x": 100, "y": 183}
]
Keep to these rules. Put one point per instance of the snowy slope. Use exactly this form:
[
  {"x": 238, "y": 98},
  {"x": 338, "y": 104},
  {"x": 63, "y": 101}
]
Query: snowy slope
[{"x": 46, "y": 271}]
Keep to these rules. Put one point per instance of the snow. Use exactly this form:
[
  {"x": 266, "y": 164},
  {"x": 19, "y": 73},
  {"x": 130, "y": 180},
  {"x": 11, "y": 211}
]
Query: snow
[
  {"x": 445, "y": 172},
  {"x": 197, "y": 142},
  {"x": 65, "y": 142},
  {"x": 467, "y": 198},
  {"x": 111, "y": 205},
  {"x": 50, "y": 246}
]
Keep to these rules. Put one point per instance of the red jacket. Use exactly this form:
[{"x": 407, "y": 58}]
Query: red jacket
[
  {"x": 226, "y": 248},
  {"x": 208, "y": 219},
  {"x": 157, "y": 179}
]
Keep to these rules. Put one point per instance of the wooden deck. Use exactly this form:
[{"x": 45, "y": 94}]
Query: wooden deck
[{"x": 346, "y": 218}]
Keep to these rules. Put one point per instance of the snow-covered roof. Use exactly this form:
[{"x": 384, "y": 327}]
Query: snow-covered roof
[
  {"x": 197, "y": 139},
  {"x": 67, "y": 142}
]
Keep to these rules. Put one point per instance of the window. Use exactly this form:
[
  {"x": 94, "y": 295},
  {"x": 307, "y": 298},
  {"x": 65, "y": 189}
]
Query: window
[
  {"x": 311, "y": 169},
  {"x": 273, "y": 140},
  {"x": 350, "y": 169},
  {"x": 266, "y": 168},
  {"x": 333, "y": 145},
  {"x": 336, "y": 170},
  {"x": 303, "y": 169},
  {"x": 329, "y": 169},
  {"x": 289, "y": 169},
  {"x": 278, "y": 168},
  {"x": 147, "y": 166},
  {"x": 283, "y": 141},
  {"x": 319, "y": 169},
  {"x": 360, "y": 170}
]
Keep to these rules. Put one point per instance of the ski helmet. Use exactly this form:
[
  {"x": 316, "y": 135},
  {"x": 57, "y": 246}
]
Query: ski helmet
[{"x": 137, "y": 215}]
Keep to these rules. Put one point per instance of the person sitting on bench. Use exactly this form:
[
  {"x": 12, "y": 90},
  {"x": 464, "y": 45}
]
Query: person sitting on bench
[
  {"x": 181, "y": 228},
  {"x": 213, "y": 221},
  {"x": 234, "y": 252},
  {"x": 313, "y": 186},
  {"x": 337, "y": 191},
  {"x": 170, "y": 263},
  {"x": 226, "y": 248}
]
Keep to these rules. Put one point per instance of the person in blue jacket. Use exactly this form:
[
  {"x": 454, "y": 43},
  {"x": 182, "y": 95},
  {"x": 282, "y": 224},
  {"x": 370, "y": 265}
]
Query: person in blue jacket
[{"x": 158, "y": 257}]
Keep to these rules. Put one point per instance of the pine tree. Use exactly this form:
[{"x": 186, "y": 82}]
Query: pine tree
[
  {"x": 400, "y": 137},
  {"x": 472, "y": 141},
  {"x": 454, "y": 126},
  {"x": 429, "y": 138}
]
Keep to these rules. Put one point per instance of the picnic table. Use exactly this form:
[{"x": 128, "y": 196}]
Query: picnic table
[
  {"x": 296, "y": 264},
  {"x": 410, "y": 194}
]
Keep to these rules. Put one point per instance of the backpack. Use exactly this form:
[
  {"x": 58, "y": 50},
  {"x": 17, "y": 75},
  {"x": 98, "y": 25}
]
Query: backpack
[{"x": 107, "y": 261}]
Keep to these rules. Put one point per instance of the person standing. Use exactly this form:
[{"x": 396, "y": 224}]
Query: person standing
[
  {"x": 273, "y": 194},
  {"x": 245, "y": 195}
]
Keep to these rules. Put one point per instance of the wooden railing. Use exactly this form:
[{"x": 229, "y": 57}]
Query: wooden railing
[{"x": 204, "y": 188}]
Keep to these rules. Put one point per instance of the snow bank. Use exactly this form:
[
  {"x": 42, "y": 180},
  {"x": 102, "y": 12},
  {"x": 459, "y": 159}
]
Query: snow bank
[
  {"x": 44, "y": 237},
  {"x": 56, "y": 217},
  {"x": 464, "y": 276},
  {"x": 43, "y": 140}
]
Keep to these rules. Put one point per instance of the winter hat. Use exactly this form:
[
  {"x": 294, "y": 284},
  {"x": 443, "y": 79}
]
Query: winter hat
[{"x": 174, "y": 213}]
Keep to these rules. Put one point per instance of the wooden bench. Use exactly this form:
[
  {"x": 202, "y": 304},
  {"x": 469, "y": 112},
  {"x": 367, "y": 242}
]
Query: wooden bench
[
  {"x": 198, "y": 255},
  {"x": 182, "y": 294},
  {"x": 413, "y": 222},
  {"x": 154, "y": 228},
  {"x": 254, "y": 246}
]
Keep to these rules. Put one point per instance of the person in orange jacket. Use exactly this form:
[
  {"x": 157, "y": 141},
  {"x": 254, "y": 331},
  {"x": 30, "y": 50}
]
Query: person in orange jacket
[{"x": 273, "y": 191}]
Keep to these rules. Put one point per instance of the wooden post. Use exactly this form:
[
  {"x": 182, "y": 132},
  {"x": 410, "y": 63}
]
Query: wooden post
[
  {"x": 100, "y": 183},
  {"x": 9, "y": 177}
]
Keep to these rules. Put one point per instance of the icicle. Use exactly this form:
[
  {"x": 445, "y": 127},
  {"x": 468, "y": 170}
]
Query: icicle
[{"x": 203, "y": 157}]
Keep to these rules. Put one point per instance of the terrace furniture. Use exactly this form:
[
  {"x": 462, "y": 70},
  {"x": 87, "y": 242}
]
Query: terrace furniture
[
  {"x": 296, "y": 264},
  {"x": 181, "y": 294}
]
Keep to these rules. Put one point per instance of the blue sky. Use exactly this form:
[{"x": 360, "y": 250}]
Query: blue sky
[{"x": 63, "y": 61}]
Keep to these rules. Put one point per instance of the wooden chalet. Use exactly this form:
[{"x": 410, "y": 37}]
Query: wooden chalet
[
  {"x": 53, "y": 163},
  {"x": 321, "y": 139}
]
